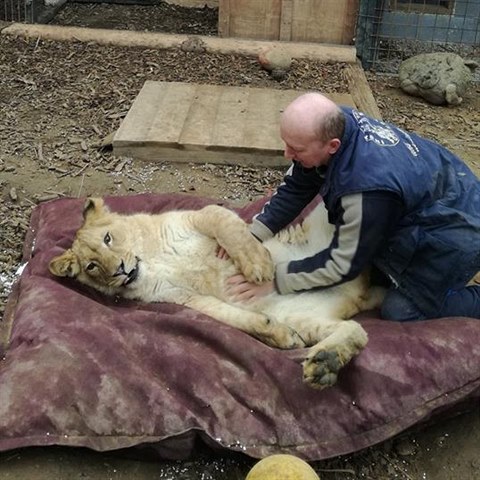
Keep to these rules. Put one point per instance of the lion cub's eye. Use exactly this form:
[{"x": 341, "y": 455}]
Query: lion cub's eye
[
  {"x": 90, "y": 266},
  {"x": 107, "y": 239}
]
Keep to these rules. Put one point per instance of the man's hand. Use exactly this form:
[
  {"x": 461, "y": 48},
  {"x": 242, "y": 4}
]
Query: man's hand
[
  {"x": 222, "y": 253},
  {"x": 239, "y": 289}
]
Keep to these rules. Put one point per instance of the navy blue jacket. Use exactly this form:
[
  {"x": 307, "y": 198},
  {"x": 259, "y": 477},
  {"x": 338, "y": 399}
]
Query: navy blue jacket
[{"x": 419, "y": 206}]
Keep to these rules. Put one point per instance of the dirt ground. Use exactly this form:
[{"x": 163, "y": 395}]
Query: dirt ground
[{"x": 58, "y": 101}]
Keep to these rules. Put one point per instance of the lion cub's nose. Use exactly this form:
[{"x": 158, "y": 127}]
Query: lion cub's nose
[{"x": 121, "y": 269}]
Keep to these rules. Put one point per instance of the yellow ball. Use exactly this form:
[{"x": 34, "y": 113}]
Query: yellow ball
[{"x": 282, "y": 467}]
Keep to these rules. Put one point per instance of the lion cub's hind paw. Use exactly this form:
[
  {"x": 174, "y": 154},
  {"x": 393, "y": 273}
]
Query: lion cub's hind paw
[
  {"x": 296, "y": 341},
  {"x": 282, "y": 336},
  {"x": 321, "y": 370}
]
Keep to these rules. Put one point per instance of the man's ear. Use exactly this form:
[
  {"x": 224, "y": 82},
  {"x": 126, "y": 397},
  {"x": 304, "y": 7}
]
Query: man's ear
[
  {"x": 65, "y": 265},
  {"x": 334, "y": 145}
]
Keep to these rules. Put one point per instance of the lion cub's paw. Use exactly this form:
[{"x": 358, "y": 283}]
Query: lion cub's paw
[
  {"x": 259, "y": 273},
  {"x": 282, "y": 336},
  {"x": 255, "y": 268},
  {"x": 320, "y": 370},
  {"x": 256, "y": 265}
]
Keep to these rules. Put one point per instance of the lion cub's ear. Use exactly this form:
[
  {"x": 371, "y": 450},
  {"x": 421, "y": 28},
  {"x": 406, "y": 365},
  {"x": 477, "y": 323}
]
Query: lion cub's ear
[
  {"x": 65, "y": 265},
  {"x": 94, "y": 206}
]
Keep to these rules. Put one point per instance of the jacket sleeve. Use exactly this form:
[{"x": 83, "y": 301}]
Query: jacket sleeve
[
  {"x": 299, "y": 187},
  {"x": 363, "y": 222}
]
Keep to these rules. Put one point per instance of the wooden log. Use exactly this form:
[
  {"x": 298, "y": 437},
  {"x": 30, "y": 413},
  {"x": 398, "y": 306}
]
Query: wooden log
[
  {"x": 312, "y": 51},
  {"x": 194, "y": 3},
  {"x": 360, "y": 90}
]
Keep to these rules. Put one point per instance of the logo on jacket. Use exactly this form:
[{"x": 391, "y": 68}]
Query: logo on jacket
[{"x": 376, "y": 131}]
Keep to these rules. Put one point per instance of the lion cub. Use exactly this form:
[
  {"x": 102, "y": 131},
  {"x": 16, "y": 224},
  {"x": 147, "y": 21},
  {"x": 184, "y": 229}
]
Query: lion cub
[{"x": 171, "y": 257}]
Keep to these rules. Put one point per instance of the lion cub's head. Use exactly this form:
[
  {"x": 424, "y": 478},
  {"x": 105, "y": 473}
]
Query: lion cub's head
[{"x": 101, "y": 255}]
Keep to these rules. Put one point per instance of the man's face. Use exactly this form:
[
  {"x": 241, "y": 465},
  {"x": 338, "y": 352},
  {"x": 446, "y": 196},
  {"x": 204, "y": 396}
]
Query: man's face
[{"x": 308, "y": 151}]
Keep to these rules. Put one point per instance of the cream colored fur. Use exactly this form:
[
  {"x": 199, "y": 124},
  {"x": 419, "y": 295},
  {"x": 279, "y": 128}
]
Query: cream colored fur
[{"x": 171, "y": 257}]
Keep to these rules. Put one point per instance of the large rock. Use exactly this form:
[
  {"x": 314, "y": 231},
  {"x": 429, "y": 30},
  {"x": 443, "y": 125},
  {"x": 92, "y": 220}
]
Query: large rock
[{"x": 439, "y": 78}]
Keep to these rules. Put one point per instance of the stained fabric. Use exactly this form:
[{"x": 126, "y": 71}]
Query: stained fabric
[{"x": 80, "y": 369}]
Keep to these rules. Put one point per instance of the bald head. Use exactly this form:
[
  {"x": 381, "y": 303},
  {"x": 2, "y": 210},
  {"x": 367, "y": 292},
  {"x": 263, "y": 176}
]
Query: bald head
[
  {"x": 314, "y": 114},
  {"x": 312, "y": 128}
]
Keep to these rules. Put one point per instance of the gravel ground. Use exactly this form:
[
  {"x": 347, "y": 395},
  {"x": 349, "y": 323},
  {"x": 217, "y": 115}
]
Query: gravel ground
[{"x": 59, "y": 101}]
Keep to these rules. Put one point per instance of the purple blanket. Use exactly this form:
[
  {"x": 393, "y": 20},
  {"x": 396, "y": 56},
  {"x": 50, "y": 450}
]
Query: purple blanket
[{"x": 79, "y": 369}]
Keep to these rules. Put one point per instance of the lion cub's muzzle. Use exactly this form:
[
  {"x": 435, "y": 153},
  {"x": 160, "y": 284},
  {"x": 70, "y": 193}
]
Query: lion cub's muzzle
[{"x": 130, "y": 274}]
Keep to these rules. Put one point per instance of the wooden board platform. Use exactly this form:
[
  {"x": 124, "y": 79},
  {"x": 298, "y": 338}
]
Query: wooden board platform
[{"x": 185, "y": 122}]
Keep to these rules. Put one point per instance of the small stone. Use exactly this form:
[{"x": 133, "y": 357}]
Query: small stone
[
  {"x": 193, "y": 44},
  {"x": 278, "y": 74},
  {"x": 13, "y": 194},
  {"x": 405, "y": 447},
  {"x": 275, "y": 58}
]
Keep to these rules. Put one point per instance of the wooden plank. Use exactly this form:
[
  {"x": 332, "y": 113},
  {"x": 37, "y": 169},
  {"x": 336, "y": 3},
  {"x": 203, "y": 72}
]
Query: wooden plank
[
  {"x": 232, "y": 111},
  {"x": 212, "y": 112},
  {"x": 197, "y": 125},
  {"x": 360, "y": 90},
  {"x": 264, "y": 110},
  {"x": 327, "y": 21},
  {"x": 224, "y": 14},
  {"x": 143, "y": 109},
  {"x": 217, "y": 156},
  {"x": 172, "y": 108},
  {"x": 286, "y": 20},
  {"x": 181, "y": 122},
  {"x": 350, "y": 17},
  {"x": 255, "y": 19}
]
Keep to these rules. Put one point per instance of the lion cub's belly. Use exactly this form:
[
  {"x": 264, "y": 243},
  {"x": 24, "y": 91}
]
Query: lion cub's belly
[{"x": 178, "y": 269}]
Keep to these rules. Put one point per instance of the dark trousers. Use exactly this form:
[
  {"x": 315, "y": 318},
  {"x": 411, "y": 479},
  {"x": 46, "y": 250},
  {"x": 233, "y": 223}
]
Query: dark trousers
[{"x": 460, "y": 303}]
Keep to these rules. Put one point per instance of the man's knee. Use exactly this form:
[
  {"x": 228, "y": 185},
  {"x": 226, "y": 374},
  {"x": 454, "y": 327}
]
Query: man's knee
[
  {"x": 397, "y": 307},
  {"x": 462, "y": 303}
]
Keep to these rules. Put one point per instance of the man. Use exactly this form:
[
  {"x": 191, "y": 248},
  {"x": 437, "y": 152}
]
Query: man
[{"x": 399, "y": 202}]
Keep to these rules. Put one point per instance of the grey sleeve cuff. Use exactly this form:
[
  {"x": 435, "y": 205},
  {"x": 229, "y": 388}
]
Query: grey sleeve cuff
[
  {"x": 280, "y": 281},
  {"x": 259, "y": 230}
]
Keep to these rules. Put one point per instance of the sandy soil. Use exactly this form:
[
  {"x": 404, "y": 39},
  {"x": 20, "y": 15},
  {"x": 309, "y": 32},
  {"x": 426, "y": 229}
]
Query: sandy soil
[{"x": 59, "y": 101}]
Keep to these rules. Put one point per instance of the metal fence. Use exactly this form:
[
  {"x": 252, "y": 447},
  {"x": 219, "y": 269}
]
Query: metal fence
[
  {"x": 16, "y": 10},
  {"x": 389, "y": 31},
  {"x": 29, "y": 11}
]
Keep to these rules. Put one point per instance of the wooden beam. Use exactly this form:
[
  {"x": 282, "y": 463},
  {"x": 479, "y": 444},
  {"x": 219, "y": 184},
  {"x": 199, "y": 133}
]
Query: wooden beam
[
  {"x": 313, "y": 51},
  {"x": 360, "y": 90}
]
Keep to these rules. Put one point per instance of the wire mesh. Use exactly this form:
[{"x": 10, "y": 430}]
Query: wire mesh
[
  {"x": 29, "y": 11},
  {"x": 389, "y": 31},
  {"x": 16, "y": 10}
]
